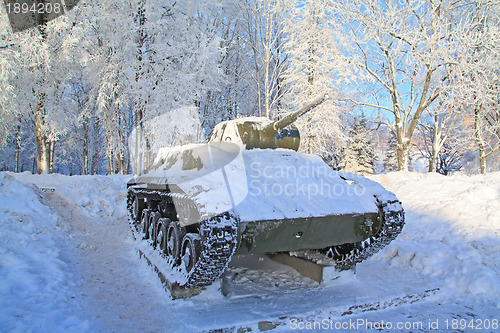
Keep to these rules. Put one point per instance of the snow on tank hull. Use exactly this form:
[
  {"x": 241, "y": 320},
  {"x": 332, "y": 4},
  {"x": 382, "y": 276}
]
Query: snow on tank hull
[{"x": 203, "y": 203}]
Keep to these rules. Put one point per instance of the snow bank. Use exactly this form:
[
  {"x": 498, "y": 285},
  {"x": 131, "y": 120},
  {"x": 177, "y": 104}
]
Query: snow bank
[
  {"x": 96, "y": 195},
  {"x": 452, "y": 231},
  {"x": 36, "y": 288}
]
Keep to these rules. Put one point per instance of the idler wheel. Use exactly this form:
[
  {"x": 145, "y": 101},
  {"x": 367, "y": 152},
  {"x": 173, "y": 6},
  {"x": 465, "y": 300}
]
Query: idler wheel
[
  {"x": 190, "y": 251},
  {"x": 137, "y": 208},
  {"x": 174, "y": 238}
]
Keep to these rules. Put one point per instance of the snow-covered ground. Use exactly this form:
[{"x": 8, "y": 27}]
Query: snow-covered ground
[{"x": 68, "y": 263}]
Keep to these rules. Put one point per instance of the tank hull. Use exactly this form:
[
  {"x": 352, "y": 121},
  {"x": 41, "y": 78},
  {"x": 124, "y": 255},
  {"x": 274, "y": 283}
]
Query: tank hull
[
  {"x": 196, "y": 211},
  {"x": 305, "y": 233}
]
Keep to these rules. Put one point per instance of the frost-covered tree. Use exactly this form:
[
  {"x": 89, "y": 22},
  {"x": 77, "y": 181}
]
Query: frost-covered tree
[
  {"x": 390, "y": 161},
  {"x": 313, "y": 55},
  {"x": 106, "y": 53},
  {"x": 11, "y": 124},
  {"x": 74, "y": 89},
  {"x": 8, "y": 109},
  {"x": 105, "y": 68},
  {"x": 37, "y": 82},
  {"x": 444, "y": 141},
  {"x": 146, "y": 59},
  {"x": 177, "y": 63},
  {"x": 479, "y": 78},
  {"x": 361, "y": 148},
  {"x": 403, "y": 49},
  {"x": 442, "y": 119},
  {"x": 449, "y": 160},
  {"x": 264, "y": 24},
  {"x": 235, "y": 95}
]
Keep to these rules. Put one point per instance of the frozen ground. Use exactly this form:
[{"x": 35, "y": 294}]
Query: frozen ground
[{"x": 67, "y": 263}]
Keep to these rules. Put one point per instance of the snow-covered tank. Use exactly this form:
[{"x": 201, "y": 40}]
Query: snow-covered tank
[{"x": 248, "y": 191}]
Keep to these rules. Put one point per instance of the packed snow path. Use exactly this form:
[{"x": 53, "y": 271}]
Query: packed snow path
[
  {"x": 119, "y": 297},
  {"x": 443, "y": 267}
]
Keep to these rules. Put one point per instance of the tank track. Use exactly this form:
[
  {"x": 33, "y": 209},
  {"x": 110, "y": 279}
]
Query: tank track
[
  {"x": 347, "y": 256},
  {"x": 218, "y": 240}
]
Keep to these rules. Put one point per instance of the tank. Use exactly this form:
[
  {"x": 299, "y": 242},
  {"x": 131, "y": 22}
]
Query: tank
[{"x": 248, "y": 191}]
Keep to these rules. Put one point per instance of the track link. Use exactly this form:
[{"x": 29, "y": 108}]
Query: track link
[
  {"x": 219, "y": 240},
  {"x": 348, "y": 255}
]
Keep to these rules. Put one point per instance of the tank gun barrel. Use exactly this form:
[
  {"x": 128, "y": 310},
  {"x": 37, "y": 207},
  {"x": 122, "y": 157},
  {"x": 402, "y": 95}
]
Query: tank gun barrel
[{"x": 282, "y": 123}]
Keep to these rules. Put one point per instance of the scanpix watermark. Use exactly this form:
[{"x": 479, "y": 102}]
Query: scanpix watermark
[
  {"x": 307, "y": 181},
  {"x": 262, "y": 170},
  {"x": 26, "y": 14},
  {"x": 302, "y": 188},
  {"x": 361, "y": 324}
]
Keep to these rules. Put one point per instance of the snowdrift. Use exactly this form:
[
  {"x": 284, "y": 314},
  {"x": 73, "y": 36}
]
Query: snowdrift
[
  {"x": 450, "y": 244},
  {"x": 453, "y": 230},
  {"x": 35, "y": 286}
]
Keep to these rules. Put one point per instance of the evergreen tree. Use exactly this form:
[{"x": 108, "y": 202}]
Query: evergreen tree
[
  {"x": 334, "y": 156},
  {"x": 360, "y": 152},
  {"x": 390, "y": 160}
]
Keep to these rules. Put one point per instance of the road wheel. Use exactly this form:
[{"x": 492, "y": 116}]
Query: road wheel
[
  {"x": 174, "y": 238},
  {"x": 143, "y": 225},
  {"x": 190, "y": 251},
  {"x": 161, "y": 235},
  {"x": 151, "y": 230}
]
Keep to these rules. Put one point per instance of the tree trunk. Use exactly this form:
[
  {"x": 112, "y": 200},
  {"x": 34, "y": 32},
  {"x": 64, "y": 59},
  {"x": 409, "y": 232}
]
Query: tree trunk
[
  {"x": 18, "y": 148},
  {"x": 267, "y": 93},
  {"x": 138, "y": 145},
  {"x": 402, "y": 147},
  {"x": 95, "y": 156},
  {"x": 124, "y": 143},
  {"x": 402, "y": 155},
  {"x": 140, "y": 109},
  {"x": 119, "y": 161},
  {"x": 309, "y": 135},
  {"x": 42, "y": 154},
  {"x": 110, "y": 161},
  {"x": 147, "y": 154},
  {"x": 85, "y": 158},
  {"x": 85, "y": 147},
  {"x": 257, "y": 79},
  {"x": 52, "y": 149},
  {"x": 42, "y": 151},
  {"x": 480, "y": 140},
  {"x": 433, "y": 160}
]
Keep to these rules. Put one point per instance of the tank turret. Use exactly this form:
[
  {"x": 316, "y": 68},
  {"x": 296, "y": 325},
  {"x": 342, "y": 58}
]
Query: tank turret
[{"x": 260, "y": 132}]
